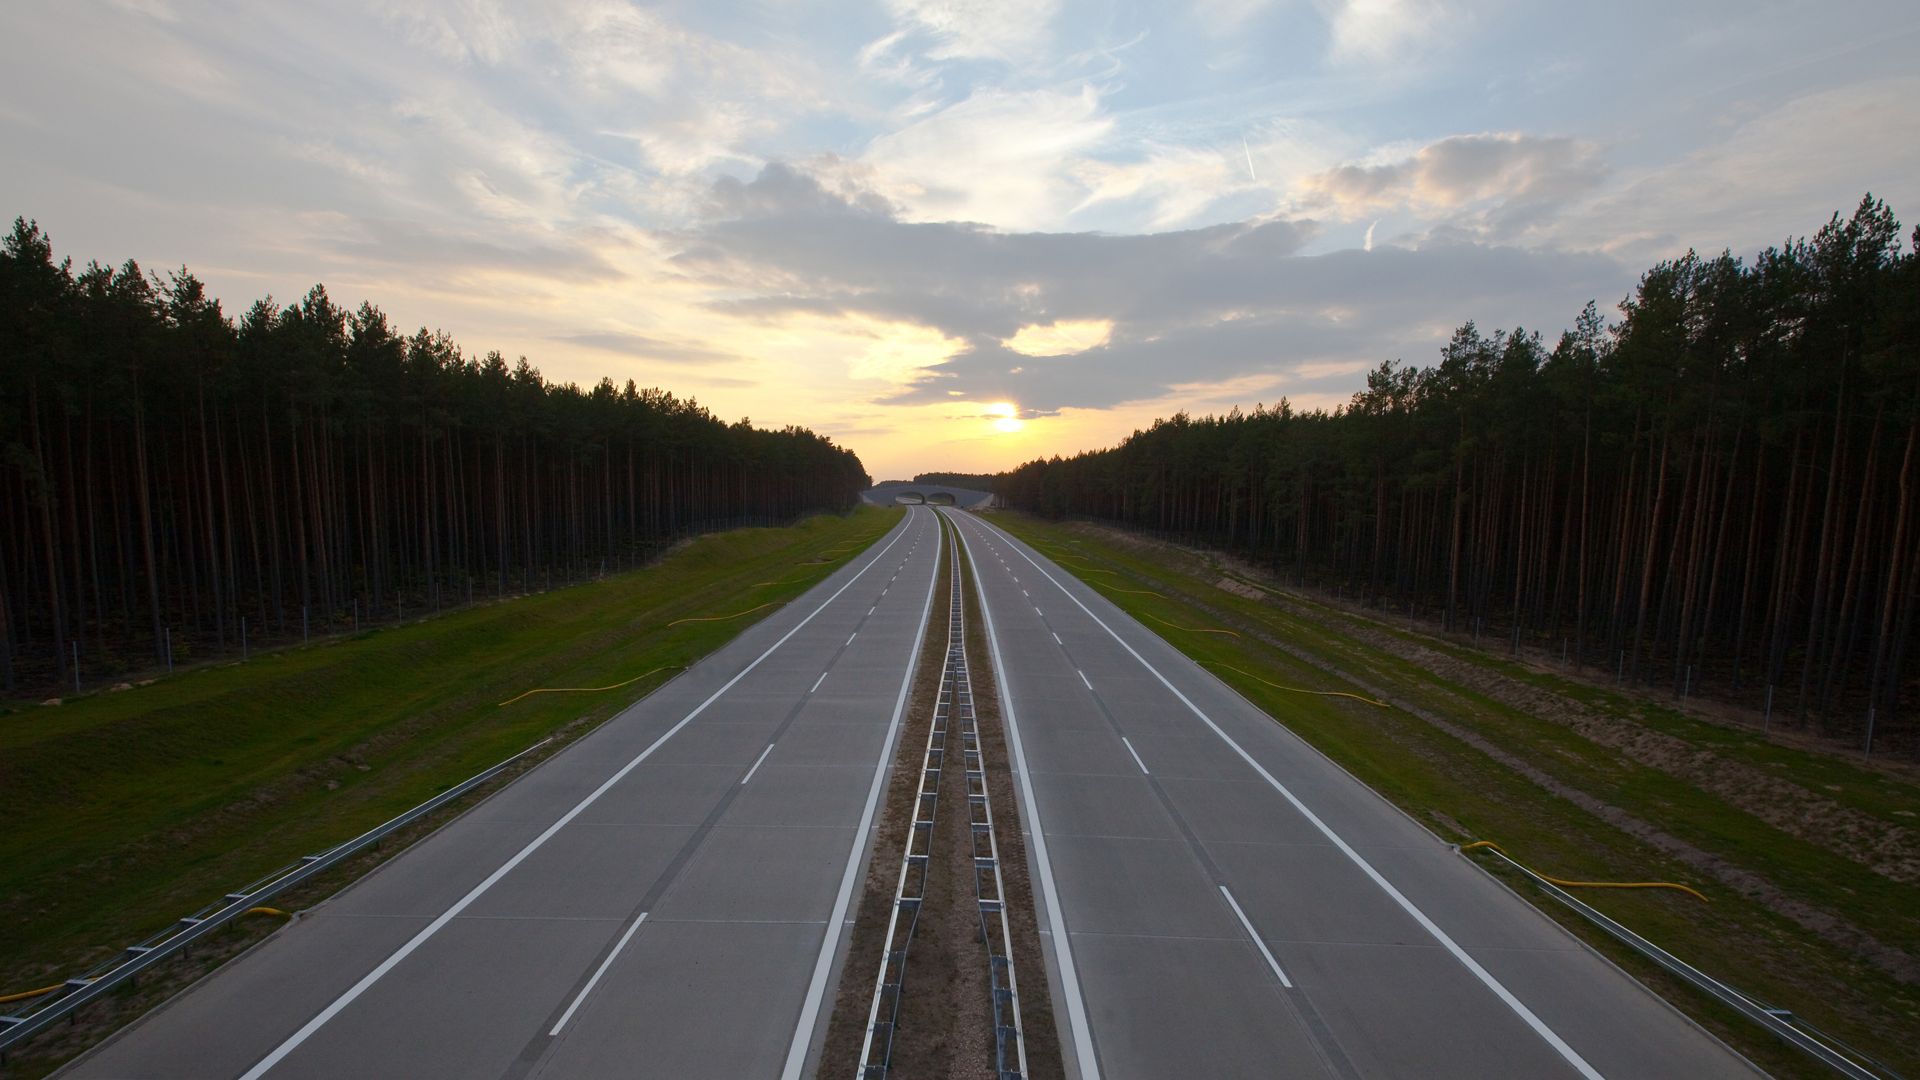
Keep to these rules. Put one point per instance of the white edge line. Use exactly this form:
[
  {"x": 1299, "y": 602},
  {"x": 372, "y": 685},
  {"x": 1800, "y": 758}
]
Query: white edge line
[
  {"x": 1486, "y": 978},
  {"x": 1084, "y": 1056},
  {"x": 1143, "y": 769},
  {"x": 823, "y": 964},
  {"x": 1255, "y": 935},
  {"x": 306, "y": 1031},
  {"x": 756, "y": 765},
  {"x": 597, "y": 972}
]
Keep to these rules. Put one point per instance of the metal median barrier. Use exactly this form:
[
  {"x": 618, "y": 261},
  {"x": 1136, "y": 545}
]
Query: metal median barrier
[{"x": 62, "y": 1001}]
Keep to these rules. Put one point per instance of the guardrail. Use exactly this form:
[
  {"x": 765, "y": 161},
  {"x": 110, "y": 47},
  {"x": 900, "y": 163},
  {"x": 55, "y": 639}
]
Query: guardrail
[
  {"x": 134, "y": 959},
  {"x": 989, "y": 887},
  {"x": 1817, "y": 1044},
  {"x": 883, "y": 1015}
]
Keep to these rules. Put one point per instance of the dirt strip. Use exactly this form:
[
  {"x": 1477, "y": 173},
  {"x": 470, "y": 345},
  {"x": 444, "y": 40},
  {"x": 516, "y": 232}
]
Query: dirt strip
[{"x": 946, "y": 1012}]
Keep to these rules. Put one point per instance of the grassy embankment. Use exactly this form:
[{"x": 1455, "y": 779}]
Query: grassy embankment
[
  {"x": 1810, "y": 858},
  {"x": 127, "y": 810}
]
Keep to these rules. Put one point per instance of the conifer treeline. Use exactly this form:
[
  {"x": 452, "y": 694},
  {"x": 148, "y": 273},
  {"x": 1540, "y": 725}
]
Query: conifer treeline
[
  {"x": 971, "y": 481},
  {"x": 169, "y": 472},
  {"x": 1717, "y": 491}
]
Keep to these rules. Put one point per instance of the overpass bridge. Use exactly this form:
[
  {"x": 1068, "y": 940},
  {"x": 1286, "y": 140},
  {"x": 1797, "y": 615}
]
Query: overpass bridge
[{"x": 899, "y": 492}]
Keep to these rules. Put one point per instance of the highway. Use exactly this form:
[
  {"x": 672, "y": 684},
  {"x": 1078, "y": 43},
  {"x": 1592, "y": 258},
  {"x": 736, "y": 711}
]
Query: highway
[
  {"x": 669, "y": 896},
  {"x": 666, "y": 897},
  {"x": 1219, "y": 900}
]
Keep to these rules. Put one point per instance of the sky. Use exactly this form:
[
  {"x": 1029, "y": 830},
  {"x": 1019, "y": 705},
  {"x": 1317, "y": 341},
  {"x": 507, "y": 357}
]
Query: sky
[{"x": 952, "y": 234}]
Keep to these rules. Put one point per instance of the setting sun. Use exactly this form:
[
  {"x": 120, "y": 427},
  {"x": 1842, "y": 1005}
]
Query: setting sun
[{"x": 1005, "y": 416}]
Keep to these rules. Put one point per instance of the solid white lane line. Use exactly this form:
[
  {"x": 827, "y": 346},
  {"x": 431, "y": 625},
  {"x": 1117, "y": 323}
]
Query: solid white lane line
[
  {"x": 1486, "y": 978},
  {"x": 1143, "y": 768},
  {"x": 818, "y": 681},
  {"x": 1083, "y": 677},
  {"x": 597, "y": 972},
  {"x": 1248, "y": 926},
  {"x": 1056, "y": 639},
  {"x": 306, "y": 1031},
  {"x": 756, "y": 765},
  {"x": 1084, "y": 1056},
  {"x": 836, "y": 922}
]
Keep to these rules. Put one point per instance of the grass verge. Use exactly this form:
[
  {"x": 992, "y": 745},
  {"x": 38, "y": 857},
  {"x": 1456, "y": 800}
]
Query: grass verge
[
  {"x": 1808, "y": 857},
  {"x": 127, "y": 810}
]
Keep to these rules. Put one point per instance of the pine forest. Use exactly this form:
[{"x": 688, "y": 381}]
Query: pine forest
[
  {"x": 178, "y": 484},
  {"x": 1712, "y": 495}
]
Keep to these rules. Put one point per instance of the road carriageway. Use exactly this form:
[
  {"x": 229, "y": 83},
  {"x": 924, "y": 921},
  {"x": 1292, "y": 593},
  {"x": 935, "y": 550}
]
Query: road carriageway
[
  {"x": 1220, "y": 900},
  {"x": 666, "y": 897},
  {"x": 669, "y": 895}
]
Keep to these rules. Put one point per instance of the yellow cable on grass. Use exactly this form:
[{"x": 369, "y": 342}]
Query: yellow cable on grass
[
  {"x": 1298, "y": 689},
  {"x": 724, "y": 618},
  {"x": 1690, "y": 891},
  {"x": 1137, "y": 592},
  {"x": 1192, "y": 629},
  {"x": 789, "y": 581},
  {"x": 273, "y": 911},
  {"x": 588, "y": 689}
]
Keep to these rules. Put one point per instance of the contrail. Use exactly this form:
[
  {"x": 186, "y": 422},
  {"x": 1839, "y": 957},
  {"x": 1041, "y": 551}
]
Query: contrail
[{"x": 1243, "y": 146}]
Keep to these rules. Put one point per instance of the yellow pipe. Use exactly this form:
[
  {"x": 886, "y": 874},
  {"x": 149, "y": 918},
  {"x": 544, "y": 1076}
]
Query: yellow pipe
[
  {"x": 1137, "y": 592},
  {"x": 586, "y": 689},
  {"x": 789, "y": 581},
  {"x": 25, "y": 995},
  {"x": 724, "y": 618},
  {"x": 1191, "y": 629},
  {"x": 1296, "y": 689},
  {"x": 28, "y": 995},
  {"x": 1695, "y": 893}
]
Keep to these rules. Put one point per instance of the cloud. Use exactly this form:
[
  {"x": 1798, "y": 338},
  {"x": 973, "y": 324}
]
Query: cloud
[
  {"x": 1771, "y": 173},
  {"x": 1460, "y": 171},
  {"x": 979, "y": 29},
  {"x": 1373, "y": 31},
  {"x": 646, "y": 347},
  {"x": 1061, "y": 338},
  {"x": 1003, "y": 156},
  {"x": 1178, "y": 309}
]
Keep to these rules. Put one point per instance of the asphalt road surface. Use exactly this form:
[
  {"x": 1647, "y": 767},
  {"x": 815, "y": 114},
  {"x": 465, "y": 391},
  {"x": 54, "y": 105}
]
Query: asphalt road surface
[
  {"x": 1219, "y": 900},
  {"x": 665, "y": 898},
  {"x": 668, "y": 897}
]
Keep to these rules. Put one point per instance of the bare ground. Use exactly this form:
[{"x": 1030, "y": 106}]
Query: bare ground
[{"x": 946, "y": 1014}]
